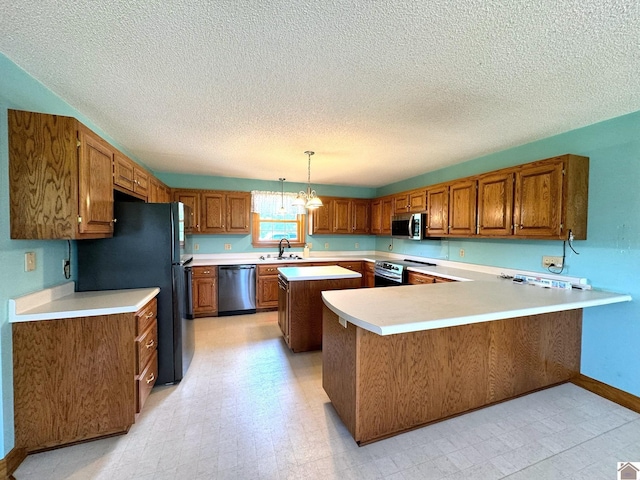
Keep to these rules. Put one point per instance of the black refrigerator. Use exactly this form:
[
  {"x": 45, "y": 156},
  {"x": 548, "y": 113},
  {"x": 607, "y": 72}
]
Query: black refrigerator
[{"x": 148, "y": 249}]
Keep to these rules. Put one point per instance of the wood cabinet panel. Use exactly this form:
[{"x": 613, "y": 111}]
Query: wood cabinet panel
[
  {"x": 267, "y": 285},
  {"x": 322, "y": 218},
  {"x": 377, "y": 383},
  {"x": 205, "y": 291},
  {"x": 438, "y": 210},
  {"x": 369, "y": 274},
  {"x": 462, "y": 208},
  {"x": 145, "y": 381},
  {"x": 213, "y": 212},
  {"x": 538, "y": 200},
  {"x": 191, "y": 198},
  {"x": 342, "y": 216},
  {"x": 361, "y": 217},
  {"x": 238, "y": 206},
  {"x": 73, "y": 379},
  {"x": 59, "y": 178},
  {"x": 495, "y": 204},
  {"x": 416, "y": 278},
  {"x": 129, "y": 177},
  {"x": 217, "y": 211}
]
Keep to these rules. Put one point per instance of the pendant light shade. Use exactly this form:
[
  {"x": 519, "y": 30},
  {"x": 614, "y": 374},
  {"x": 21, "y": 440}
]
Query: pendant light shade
[{"x": 308, "y": 199}]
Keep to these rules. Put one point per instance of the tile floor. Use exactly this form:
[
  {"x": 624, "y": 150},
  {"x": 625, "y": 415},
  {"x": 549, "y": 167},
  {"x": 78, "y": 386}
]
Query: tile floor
[{"x": 250, "y": 409}]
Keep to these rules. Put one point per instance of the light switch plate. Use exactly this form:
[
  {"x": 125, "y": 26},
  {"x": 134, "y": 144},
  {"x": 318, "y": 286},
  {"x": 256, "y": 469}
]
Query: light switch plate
[{"x": 29, "y": 261}]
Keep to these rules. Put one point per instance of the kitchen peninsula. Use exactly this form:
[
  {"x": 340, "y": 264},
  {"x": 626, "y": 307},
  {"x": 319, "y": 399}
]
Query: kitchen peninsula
[
  {"x": 397, "y": 358},
  {"x": 300, "y": 301}
]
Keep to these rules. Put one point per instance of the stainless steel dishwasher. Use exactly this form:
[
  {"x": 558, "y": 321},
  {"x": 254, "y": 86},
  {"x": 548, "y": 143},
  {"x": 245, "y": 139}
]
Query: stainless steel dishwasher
[{"x": 236, "y": 289}]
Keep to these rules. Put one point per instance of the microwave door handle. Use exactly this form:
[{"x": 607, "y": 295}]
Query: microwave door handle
[{"x": 411, "y": 220}]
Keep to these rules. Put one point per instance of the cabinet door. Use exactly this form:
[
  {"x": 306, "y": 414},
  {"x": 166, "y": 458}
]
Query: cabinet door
[
  {"x": 538, "y": 200},
  {"x": 417, "y": 201},
  {"x": 342, "y": 216},
  {"x": 140, "y": 182},
  {"x": 238, "y": 206},
  {"x": 154, "y": 191},
  {"x": 191, "y": 199},
  {"x": 123, "y": 172},
  {"x": 495, "y": 204},
  {"x": 361, "y": 223},
  {"x": 387, "y": 208},
  {"x": 267, "y": 291},
  {"x": 213, "y": 213},
  {"x": 376, "y": 216},
  {"x": 322, "y": 218},
  {"x": 438, "y": 210},
  {"x": 369, "y": 279},
  {"x": 95, "y": 189},
  {"x": 205, "y": 295},
  {"x": 401, "y": 203},
  {"x": 462, "y": 208}
]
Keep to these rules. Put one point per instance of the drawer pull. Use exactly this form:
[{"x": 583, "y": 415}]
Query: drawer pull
[
  {"x": 151, "y": 378},
  {"x": 149, "y": 315},
  {"x": 151, "y": 344},
  {"x": 206, "y": 272}
]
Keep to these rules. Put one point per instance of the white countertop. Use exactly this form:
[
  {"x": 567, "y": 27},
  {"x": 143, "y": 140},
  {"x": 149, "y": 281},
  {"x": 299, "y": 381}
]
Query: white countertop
[
  {"x": 294, "y": 274},
  {"x": 63, "y": 302},
  {"x": 413, "y": 308}
]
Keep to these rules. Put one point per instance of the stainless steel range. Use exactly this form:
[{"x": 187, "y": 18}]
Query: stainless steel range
[{"x": 392, "y": 273}]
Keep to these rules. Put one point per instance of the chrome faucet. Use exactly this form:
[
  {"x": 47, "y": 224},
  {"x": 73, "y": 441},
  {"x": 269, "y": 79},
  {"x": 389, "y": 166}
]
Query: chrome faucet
[{"x": 281, "y": 248}]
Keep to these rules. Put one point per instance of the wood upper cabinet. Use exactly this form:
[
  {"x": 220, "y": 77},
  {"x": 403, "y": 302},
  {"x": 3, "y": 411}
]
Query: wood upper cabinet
[
  {"x": 495, "y": 204},
  {"x": 217, "y": 211},
  {"x": 342, "y": 216},
  {"x": 538, "y": 200},
  {"x": 158, "y": 191},
  {"x": 437, "y": 210},
  {"x": 129, "y": 177},
  {"x": 60, "y": 181},
  {"x": 322, "y": 218},
  {"x": 205, "y": 291},
  {"x": 381, "y": 212},
  {"x": 462, "y": 208},
  {"x": 410, "y": 202}
]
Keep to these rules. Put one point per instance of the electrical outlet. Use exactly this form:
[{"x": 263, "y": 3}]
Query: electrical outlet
[
  {"x": 29, "y": 261},
  {"x": 548, "y": 261},
  {"x": 66, "y": 268},
  {"x": 357, "y": 245},
  {"x": 196, "y": 247},
  {"x": 461, "y": 252},
  {"x": 227, "y": 246},
  {"x": 326, "y": 246}
]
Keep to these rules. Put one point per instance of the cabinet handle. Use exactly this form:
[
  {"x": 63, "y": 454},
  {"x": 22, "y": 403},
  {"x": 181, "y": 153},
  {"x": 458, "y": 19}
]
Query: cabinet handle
[
  {"x": 151, "y": 378},
  {"x": 206, "y": 272},
  {"x": 149, "y": 315},
  {"x": 150, "y": 344}
]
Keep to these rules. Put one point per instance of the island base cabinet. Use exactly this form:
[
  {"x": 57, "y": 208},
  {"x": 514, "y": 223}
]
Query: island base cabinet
[
  {"x": 73, "y": 379},
  {"x": 383, "y": 385}
]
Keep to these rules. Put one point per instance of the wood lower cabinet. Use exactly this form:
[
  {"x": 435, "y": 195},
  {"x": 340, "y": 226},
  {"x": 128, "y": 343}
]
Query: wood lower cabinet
[
  {"x": 205, "y": 291},
  {"x": 300, "y": 310},
  {"x": 267, "y": 285},
  {"x": 81, "y": 378},
  {"x": 416, "y": 278},
  {"x": 368, "y": 274},
  {"x": 384, "y": 385},
  {"x": 60, "y": 178}
]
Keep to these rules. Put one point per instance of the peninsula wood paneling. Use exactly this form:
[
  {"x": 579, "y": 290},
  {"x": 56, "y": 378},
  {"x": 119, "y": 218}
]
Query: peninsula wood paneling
[
  {"x": 73, "y": 379},
  {"x": 407, "y": 380}
]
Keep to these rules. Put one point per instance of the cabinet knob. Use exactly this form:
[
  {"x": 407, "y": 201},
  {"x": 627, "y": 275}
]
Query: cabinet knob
[
  {"x": 151, "y": 378},
  {"x": 149, "y": 315}
]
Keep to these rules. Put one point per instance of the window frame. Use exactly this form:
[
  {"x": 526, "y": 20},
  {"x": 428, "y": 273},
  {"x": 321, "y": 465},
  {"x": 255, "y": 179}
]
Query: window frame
[{"x": 255, "y": 231}]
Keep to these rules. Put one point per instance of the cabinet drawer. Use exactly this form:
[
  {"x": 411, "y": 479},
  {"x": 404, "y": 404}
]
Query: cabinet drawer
[
  {"x": 146, "y": 345},
  {"x": 420, "y": 278},
  {"x": 205, "y": 271},
  {"x": 145, "y": 381},
  {"x": 270, "y": 269},
  {"x": 146, "y": 316}
]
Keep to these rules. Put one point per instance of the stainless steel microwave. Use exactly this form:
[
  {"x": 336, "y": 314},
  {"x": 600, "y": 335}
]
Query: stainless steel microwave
[{"x": 410, "y": 226}]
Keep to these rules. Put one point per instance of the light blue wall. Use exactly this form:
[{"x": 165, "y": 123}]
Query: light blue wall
[{"x": 609, "y": 258}]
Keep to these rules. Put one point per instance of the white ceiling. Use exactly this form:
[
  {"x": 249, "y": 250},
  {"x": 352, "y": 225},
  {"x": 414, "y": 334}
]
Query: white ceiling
[{"x": 382, "y": 90}]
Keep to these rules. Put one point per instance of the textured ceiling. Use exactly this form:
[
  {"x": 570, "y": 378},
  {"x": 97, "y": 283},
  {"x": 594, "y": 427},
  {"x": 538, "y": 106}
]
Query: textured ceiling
[{"x": 382, "y": 90}]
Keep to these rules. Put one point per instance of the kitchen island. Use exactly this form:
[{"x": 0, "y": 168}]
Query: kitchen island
[
  {"x": 401, "y": 357},
  {"x": 300, "y": 302}
]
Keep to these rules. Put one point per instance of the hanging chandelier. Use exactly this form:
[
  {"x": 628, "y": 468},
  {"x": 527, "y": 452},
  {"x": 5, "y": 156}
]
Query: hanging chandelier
[{"x": 308, "y": 199}]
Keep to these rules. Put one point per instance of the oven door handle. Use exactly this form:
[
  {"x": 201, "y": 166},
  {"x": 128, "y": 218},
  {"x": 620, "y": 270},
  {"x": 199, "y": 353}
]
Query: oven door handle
[{"x": 388, "y": 277}]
